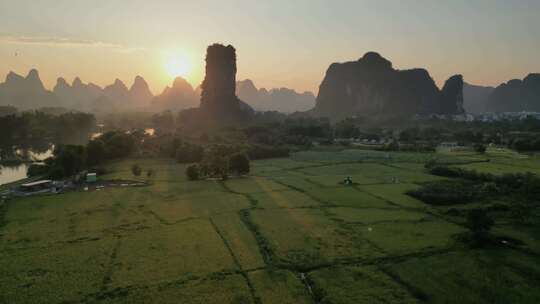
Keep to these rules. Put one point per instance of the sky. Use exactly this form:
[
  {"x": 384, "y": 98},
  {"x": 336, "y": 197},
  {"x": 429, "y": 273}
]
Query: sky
[{"x": 279, "y": 43}]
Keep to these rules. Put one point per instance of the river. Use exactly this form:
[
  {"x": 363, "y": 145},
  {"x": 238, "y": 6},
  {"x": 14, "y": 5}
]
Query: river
[
  {"x": 9, "y": 174},
  {"x": 12, "y": 173}
]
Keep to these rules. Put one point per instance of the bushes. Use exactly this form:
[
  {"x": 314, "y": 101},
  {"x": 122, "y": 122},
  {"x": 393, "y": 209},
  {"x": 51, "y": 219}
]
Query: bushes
[
  {"x": 219, "y": 161},
  {"x": 189, "y": 153},
  {"x": 136, "y": 170},
  {"x": 96, "y": 152},
  {"x": 471, "y": 175},
  {"x": 524, "y": 183},
  {"x": 192, "y": 172},
  {"x": 262, "y": 152},
  {"x": 37, "y": 169},
  {"x": 117, "y": 144},
  {"x": 239, "y": 163},
  {"x": 479, "y": 148},
  {"x": 479, "y": 223},
  {"x": 67, "y": 161},
  {"x": 523, "y": 189},
  {"x": 446, "y": 192},
  {"x": 526, "y": 144}
]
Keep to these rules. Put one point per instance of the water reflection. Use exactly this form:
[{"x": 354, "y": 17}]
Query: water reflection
[
  {"x": 16, "y": 170},
  {"x": 35, "y": 153},
  {"x": 9, "y": 174},
  {"x": 147, "y": 131}
]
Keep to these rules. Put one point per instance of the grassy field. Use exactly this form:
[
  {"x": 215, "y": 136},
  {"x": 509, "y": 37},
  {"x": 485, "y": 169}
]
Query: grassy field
[{"x": 288, "y": 233}]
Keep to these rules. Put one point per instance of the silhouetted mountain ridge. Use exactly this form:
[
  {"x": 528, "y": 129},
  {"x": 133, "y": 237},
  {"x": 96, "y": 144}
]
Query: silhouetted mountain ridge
[
  {"x": 475, "y": 98},
  {"x": 372, "y": 87},
  {"x": 29, "y": 93},
  {"x": 516, "y": 95},
  {"x": 179, "y": 96},
  {"x": 26, "y": 92}
]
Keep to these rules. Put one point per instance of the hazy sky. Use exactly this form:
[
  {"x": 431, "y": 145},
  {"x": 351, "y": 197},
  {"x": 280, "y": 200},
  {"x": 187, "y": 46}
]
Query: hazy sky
[{"x": 279, "y": 42}]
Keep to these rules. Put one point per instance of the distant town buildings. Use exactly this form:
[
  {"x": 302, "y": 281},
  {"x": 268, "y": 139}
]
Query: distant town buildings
[{"x": 483, "y": 117}]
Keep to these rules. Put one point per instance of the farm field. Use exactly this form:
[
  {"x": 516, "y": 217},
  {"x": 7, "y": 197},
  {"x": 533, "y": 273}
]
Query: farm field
[{"x": 288, "y": 233}]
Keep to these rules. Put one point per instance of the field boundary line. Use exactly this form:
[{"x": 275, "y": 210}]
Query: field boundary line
[
  {"x": 236, "y": 262},
  {"x": 107, "y": 278},
  {"x": 413, "y": 291}
]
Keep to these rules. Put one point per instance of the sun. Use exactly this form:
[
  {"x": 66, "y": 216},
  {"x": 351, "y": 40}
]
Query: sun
[{"x": 178, "y": 64}]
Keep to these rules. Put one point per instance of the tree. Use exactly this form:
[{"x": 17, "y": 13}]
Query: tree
[
  {"x": 391, "y": 146},
  {"x": 479, "y": 148},
  {"x": 69, "y": 160},
  {"x": 95, "y": 151},
  {"x": 193, "y": 172},
  {"x": 409, "y": 135},
  {"x": 189, "y": 153},
  {"x": 480, "y": 224},
  {"x": 239, "y": 163},
  {"x": 216, "y": 161},
  {"x": 37, "y": 169},
  {"x": 136, "y": 170},
  {"x": 118, "y": 144},
  {"x": 164, "y": 121},
  {"x": 346, "y": 129}
]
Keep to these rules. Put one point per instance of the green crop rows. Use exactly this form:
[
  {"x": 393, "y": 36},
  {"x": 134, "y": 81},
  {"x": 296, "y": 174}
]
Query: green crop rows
[{"x": 289, "y": 233}]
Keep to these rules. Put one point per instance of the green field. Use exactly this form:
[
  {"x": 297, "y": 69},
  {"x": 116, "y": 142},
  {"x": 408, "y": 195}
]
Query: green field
[{"x": 288, "y": 233}]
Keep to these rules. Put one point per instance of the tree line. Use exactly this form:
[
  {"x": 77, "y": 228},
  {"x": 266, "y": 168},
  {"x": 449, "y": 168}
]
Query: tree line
[{"x": 33, "y": 128}]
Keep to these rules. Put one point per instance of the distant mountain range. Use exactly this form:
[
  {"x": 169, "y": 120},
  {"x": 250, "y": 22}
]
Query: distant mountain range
[
  {"x": 26, "y": 92},
  {"x": 281, "y": 100},
  {"x": 516, "y": 95},
  {"x": 29, "y": 93},
  {"x": 513, "y": 96},
  {"x": 364, "y": 87}
]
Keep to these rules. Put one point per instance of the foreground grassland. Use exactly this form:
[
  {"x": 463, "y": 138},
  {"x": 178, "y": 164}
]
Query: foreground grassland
[{"x": 289, "y": 233}]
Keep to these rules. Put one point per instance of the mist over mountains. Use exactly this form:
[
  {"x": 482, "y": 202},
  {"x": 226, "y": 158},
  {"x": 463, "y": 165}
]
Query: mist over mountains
[
  {"x": 369, "y": 86},
  {"x": 280, "y": 99},
  {"x": 25, "y": 92},
  {"x": 29, "y": 93},
  {"x": 180, "y": 95}
]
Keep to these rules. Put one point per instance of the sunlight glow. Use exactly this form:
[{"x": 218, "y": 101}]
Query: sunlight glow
[{"x": 177, "y": 64}]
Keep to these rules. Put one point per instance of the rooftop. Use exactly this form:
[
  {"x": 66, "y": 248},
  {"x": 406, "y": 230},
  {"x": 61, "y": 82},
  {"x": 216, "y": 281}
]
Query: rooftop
[{"x": 40, "y": 182}]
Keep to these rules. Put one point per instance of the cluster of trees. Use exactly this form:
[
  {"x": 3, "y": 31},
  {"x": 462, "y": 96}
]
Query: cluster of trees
[
  {"x": 31, "y": 128},
  {"x": 137, "y": 171},
  {"x": 186, "y": 152},
  {"x": 219, "y": 161},
  {"x": 192, "y": 149},
  {"x": 111, "y": 145},
  {"x": 521, "y": 189},
  {"x": 447, "y": 192},
  {"x": 68, "y": 160},
  {"x": 263, "y": 152},
  {"x": 526, "y": 143},
  {"x": 519, "y": 192},
  {"x": 525, "y": 183},
  {"x": 291, "y": 131},
  {"x": 479, "y": 223},
  {"x": 394, "y": 145},
  {"x": 522, "y": 135}
]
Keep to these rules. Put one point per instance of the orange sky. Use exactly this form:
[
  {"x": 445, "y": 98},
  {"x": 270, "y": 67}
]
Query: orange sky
[{"x": 279, "y": 43}]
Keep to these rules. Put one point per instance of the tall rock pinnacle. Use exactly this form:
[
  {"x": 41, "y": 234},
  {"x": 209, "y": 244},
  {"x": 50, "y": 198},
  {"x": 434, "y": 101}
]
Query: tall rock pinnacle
[{"x": 218, "y": 97}]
